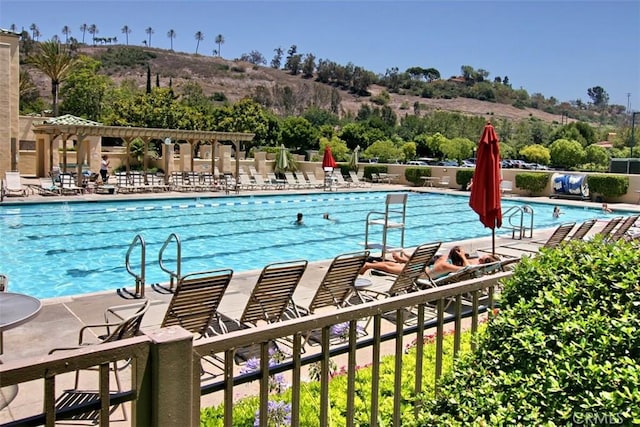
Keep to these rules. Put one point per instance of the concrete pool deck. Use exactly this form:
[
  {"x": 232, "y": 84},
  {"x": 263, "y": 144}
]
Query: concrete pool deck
[{"x": 60, "y": 319}]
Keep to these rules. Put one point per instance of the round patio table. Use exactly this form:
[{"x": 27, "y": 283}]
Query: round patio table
[{"x": 15, "y": 309}]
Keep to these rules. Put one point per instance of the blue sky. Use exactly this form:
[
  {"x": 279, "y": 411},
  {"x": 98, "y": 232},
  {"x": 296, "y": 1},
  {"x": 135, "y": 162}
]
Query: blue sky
[{"x": 557, "y": 48}]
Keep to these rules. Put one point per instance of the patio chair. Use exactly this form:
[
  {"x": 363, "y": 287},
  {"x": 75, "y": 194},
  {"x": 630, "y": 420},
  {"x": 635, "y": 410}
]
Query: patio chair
[
  {"x": 355, "y": 180},
  {"x": 115, "y": 331},
  {"x": 406, "y": 281},
  {"x": 582, "y": 230},
  {"x": 267, "y": 303},
  {"x": 195, "y": 300},
  {"x": 264, "y": 185},
  {"x": 609, "y": 226},
  {"x": 46, "y": 188},
  {"x": 558, "y": 236},
  {"x": 313, "y": 181},
  {"x": 622, "y": 229},
  {"x": 245, "y": 182},
  {"x": 302, "y": 180},
  {"x": 506, "y": 187},
  {"x": 68, "y": 185},
  {"x": 13, "y": 185},
  {"x": 337, "y": 175},
  {"x": 292, "y": 181},
  {"x": 338, "y": 284},
  {"x": 281, "y": 184}
]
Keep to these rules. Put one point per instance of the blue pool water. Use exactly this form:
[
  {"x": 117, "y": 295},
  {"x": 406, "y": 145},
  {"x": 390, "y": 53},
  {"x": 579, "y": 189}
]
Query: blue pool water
[{"x": 51, "y": 249}]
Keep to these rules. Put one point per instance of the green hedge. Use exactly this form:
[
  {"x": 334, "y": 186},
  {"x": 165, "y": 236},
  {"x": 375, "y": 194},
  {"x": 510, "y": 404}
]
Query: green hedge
[
  {"x": 371, "y": 169},
  {"x": 463, "y": 177},
  {"x": 608, "y": 185},
  {"x": 534, "y": 182},
  {"x": 413, "y": 174},
  {"x": 564, "y": 350}
]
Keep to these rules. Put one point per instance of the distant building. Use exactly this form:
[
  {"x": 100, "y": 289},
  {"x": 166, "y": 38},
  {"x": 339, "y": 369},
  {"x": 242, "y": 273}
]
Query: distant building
[{"x": 9, "y": 100}]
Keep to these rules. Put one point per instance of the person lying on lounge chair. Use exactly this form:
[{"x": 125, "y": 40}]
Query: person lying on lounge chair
[{"x": 456, "y": 260}]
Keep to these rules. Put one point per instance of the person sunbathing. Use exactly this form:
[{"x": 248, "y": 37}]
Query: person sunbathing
[{"x": 456, "y": 260}]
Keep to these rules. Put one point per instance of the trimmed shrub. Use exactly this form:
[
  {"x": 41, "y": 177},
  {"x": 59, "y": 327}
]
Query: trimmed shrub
[
  {"x": 608, "y": 185},
  {"x": 564, "y": 349},
  {"x": 413, "y": 174},
  {"x": 371, "y": 169},
  {"x": 534, "y": 182},
  {"x": 463, "y": 177}
]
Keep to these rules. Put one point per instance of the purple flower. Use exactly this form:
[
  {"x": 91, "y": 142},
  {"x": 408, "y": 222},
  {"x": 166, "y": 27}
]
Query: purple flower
[{"x": 278, "y": 414}]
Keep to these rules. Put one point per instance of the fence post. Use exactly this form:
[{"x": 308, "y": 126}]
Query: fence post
[{"x": 168, "y": 384}]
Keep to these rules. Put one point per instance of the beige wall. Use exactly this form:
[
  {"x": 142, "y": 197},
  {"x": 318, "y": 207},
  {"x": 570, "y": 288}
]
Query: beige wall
[{"x": 9, "y": 99}]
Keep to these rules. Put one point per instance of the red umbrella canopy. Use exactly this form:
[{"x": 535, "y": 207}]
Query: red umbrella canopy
[
  {"x": 485, "y": 192},
  {"x": 327, "y": 160}
]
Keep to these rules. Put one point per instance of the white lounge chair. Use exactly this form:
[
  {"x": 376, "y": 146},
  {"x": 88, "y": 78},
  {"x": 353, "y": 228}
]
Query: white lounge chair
[
  {"x": 13, "y": 185},
  {"x": 355, "y": 180}
]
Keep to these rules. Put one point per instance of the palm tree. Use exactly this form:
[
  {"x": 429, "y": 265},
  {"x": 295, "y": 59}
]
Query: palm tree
[
  {"x": 83, "y": 28},
  {"x": 172, "y": 35},
  {"x": 199, "y": 37},
  {"x": 219, "y": 41},
  {"x": 93, "y": 30},
  {"x": 66, "y": 31},
  {"x": 55, "y": 61},
  {"x": 149, "y": 31},
  {"x": 126, "y": 31},
  {"x": 34, "y": 29}
]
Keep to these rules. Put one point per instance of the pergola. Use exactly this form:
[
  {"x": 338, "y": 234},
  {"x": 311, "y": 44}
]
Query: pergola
[{"x": 67, "y": 126}]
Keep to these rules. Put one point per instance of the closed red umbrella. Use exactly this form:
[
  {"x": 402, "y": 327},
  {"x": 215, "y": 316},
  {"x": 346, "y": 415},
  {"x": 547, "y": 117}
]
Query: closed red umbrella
[
  {"x": 485, "y": 192},
  {"x": 327, "y": 160}
]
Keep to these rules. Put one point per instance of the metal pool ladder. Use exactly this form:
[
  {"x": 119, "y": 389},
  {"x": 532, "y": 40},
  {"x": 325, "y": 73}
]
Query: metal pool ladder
[
  {"x": 515, "y": 221},
  {"x": 139, "y": 277},
  {"x": 174, "y": 276}
]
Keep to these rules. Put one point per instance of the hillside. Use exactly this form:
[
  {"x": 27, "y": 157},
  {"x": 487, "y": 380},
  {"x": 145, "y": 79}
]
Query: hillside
[{"x": 237, "y": 79}]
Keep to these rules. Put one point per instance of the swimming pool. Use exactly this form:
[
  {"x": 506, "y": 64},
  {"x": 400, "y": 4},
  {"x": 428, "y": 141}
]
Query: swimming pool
[{"x": 52, "y": 249}]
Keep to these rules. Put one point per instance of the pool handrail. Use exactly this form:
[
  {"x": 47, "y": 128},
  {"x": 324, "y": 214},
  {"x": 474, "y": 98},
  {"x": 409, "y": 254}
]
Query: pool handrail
[
  {"x": 139, "y": 278},
  {"x": 174, "y": 276}
]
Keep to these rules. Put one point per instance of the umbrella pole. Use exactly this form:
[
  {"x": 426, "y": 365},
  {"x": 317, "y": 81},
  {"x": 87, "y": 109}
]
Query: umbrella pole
[{"x": 493, "y": 239}]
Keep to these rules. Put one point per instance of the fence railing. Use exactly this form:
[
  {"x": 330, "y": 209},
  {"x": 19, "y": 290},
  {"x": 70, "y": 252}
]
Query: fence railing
[{"x": 162, "y": 383}]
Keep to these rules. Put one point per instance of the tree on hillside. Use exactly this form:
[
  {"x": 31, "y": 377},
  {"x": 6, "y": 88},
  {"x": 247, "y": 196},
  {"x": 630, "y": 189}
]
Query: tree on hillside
[
  {"x": 219, "y": 41},
  {"x": 55, "y": 61},
  {"x": 276, "y": 62},
  {"x": 35, "y": 31},
  {"x": 85, "y": 90},
  {"x": 294, "y": 59},
  {"x": 149, "y": 31},
  {"x": 431, "y": 74},
  {"x": 83, "y": 28},
  {"x": 126, "y": 31},
  {"x": 93, "y": 30},
  {"x": 172, "y": 35},
  {"x": 199, "y": 37},
  {"x": 66, "y": 31},
  {"x": 308, "y": 66},
  {"x": 254, "y": 57},
  {"x": 599, "y": 97}
]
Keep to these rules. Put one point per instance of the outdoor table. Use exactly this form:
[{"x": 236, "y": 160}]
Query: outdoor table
[
  {"x": 15, "y": 309},
  {"x": 429, "y": 180}
]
